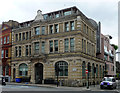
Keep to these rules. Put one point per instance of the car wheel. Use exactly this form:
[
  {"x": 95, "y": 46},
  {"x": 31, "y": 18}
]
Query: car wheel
[{"x": 101, "y": 87}]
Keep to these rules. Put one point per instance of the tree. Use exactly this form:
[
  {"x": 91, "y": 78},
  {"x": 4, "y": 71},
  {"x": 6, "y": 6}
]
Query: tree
[{"x": 115, "y": 46}]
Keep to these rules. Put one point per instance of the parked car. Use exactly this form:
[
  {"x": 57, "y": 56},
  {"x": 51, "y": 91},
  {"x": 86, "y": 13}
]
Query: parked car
[{"x": 108, "y": 82}]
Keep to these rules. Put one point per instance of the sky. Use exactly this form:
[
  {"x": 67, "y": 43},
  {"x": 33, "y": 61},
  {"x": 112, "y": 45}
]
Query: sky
[{"x": 105, "y": 11}]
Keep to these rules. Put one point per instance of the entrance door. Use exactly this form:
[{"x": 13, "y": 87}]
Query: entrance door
[
  {"x": 14, "y": 75},
  {"x": 38, "y": 73}
]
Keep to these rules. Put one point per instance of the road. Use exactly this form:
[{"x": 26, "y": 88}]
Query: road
[{"x": 34, "y": 89}]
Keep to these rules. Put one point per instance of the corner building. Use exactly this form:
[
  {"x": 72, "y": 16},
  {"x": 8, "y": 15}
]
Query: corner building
[{"x": 65, "y": 37}]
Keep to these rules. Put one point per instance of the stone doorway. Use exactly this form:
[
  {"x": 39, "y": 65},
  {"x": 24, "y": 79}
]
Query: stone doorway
[{"x": 38, "y": 73}]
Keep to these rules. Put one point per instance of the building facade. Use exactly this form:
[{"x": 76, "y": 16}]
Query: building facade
[
  {"x": 5, "y": 48},
  {"x": 108, "y": 54},
  {"x": 66, "y": 38}
]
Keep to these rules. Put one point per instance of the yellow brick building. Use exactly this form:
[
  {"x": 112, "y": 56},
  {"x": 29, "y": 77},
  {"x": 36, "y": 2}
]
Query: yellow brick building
[{"x": 66, "y": 38}]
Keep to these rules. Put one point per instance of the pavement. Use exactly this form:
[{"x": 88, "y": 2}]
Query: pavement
[{"x": 53, "y": 86}]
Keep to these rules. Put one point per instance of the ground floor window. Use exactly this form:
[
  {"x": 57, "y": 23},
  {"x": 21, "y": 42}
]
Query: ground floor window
[
  {"x": 23, "y": 70},
  {"x": 63, "y": 67}
]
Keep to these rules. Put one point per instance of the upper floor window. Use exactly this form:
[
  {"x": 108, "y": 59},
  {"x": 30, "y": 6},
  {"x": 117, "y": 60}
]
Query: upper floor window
[
  {"x": 72, "y": 25},
  {"x": 51, "y": 29},
  {"x": 6, "y": 53},
  {"x": 43, "y": 47},
  {"x": 71, "y": 44},
  {"x": 51, "y": 46},
  {"x": 36, "y": 47},
  {"x": 43, "y": 30},
  {"x": 2, "y": 54},
  {"x": 57, "y": 15},
  {"x": 23, "y": 36},
  {"x": 30, "y": 35},
  {"x": 8, "y": 39},
  {"x": 1, "y": 40},
  {"x": 56, "y": 45},
  {"x": 67, "y": 13},
  {"x": 45, "y": 17},
  {"x": 66, "y": 26},
  {"x": 26, "y": 50},
  {"x": 27, "y": 36},
  {"x": 19, "y": 36},
  {"x": 37, "y": 30},
  {"x": 30, "y": 49},
  {"x": 4, "y": 40},
  {"x": 16, "y": 51},
  {"x": 20, "y": 51},
  {"x": 66, "y": 45},
  {"x": 16, "y": 37},
  {"x": 56, "y": 28}
]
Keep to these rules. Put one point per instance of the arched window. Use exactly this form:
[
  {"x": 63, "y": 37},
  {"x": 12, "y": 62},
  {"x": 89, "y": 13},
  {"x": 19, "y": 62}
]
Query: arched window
[
  {"x": 23, "y": 69},
  {"x": 83, "y": 70},
  {"x": 63, "y": 66}
]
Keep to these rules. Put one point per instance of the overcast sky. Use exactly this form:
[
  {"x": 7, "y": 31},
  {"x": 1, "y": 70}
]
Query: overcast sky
[{"x": 105, "y": 11}]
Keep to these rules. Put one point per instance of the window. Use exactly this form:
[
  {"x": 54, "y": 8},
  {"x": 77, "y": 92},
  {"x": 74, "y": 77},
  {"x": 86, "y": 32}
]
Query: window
[
  {"x": 30, "y": 35},
  {"x": 51, "y": 46},
  {"x": 16, "y": 37},
  {"x": 57, "y": 15},
  {"x": 1, "y": 40},
  {"x": 66, "y": 26},
  {"x": 71, "y": 44},
  {"x": 37, "y": 30},
  {"x": 36, "y": 47},
  {"x": 72, "y": 25},
  {"x": 23, "y": 70},
  {"x": 82, "y": 45},
  {"x": 66, "y": 45},
  {"x": 20, "y": 51},
  {"x": 96, "y": 71},
  {"x": 56, "y": 28},
  {"x": 56, "y": 45},
  {"x": 67, "y": 13},
  {"x": 2, "y": 54},
  {"x": 19, "y": 36},
  {"x": 84, "y": 28},
  {"x": 51, "y": 29},
  {"x": 23, "y": 36},
  {"x": 45, "y": 17},
  {"x": 27, "y": 36},
  {"x": 105, "y": 57},
  {"x": 6, "y": 53},
  {"x": 16, "y": 52},
  {"x": 83, "y": 70},
  {"x": 93, "y": 74},
  {"x": 43, "y": 47},
  {"x": 4, "y": 40},
  {"x": 29, "y": 49},
  {"x": 26, "y": 50},
  {"x": 7, "y": 39},
  {"x": 63, "y": 66},
  {"x": 43, "y": 30}
]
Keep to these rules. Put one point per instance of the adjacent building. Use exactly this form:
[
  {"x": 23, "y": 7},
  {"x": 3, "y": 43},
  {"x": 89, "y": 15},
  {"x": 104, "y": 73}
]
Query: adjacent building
[
  {"x": 107, "y": 54},
  {"x": 66, "y": 38}
]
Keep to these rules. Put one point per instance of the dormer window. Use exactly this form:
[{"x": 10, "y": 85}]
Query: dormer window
[
  {"x": 57, "y": 15},
  {"x": 67, "y": 13},
  {"x": 45, "y": 17}
]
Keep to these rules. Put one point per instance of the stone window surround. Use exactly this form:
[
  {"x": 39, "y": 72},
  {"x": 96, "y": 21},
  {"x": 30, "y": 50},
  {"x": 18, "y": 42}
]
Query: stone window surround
[{"x": 21, "y": 50}]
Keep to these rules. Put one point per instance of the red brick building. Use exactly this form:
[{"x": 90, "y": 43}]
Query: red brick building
[
  {"x": 107, "y": 54},
  {"x": 5, "y": 48}
]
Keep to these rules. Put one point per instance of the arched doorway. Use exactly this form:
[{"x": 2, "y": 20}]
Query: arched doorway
[{"x": 38, "y": 73}]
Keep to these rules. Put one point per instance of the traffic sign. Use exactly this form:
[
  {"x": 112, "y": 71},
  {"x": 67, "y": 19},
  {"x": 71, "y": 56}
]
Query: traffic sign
[{"x": 86, "y": 71}]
